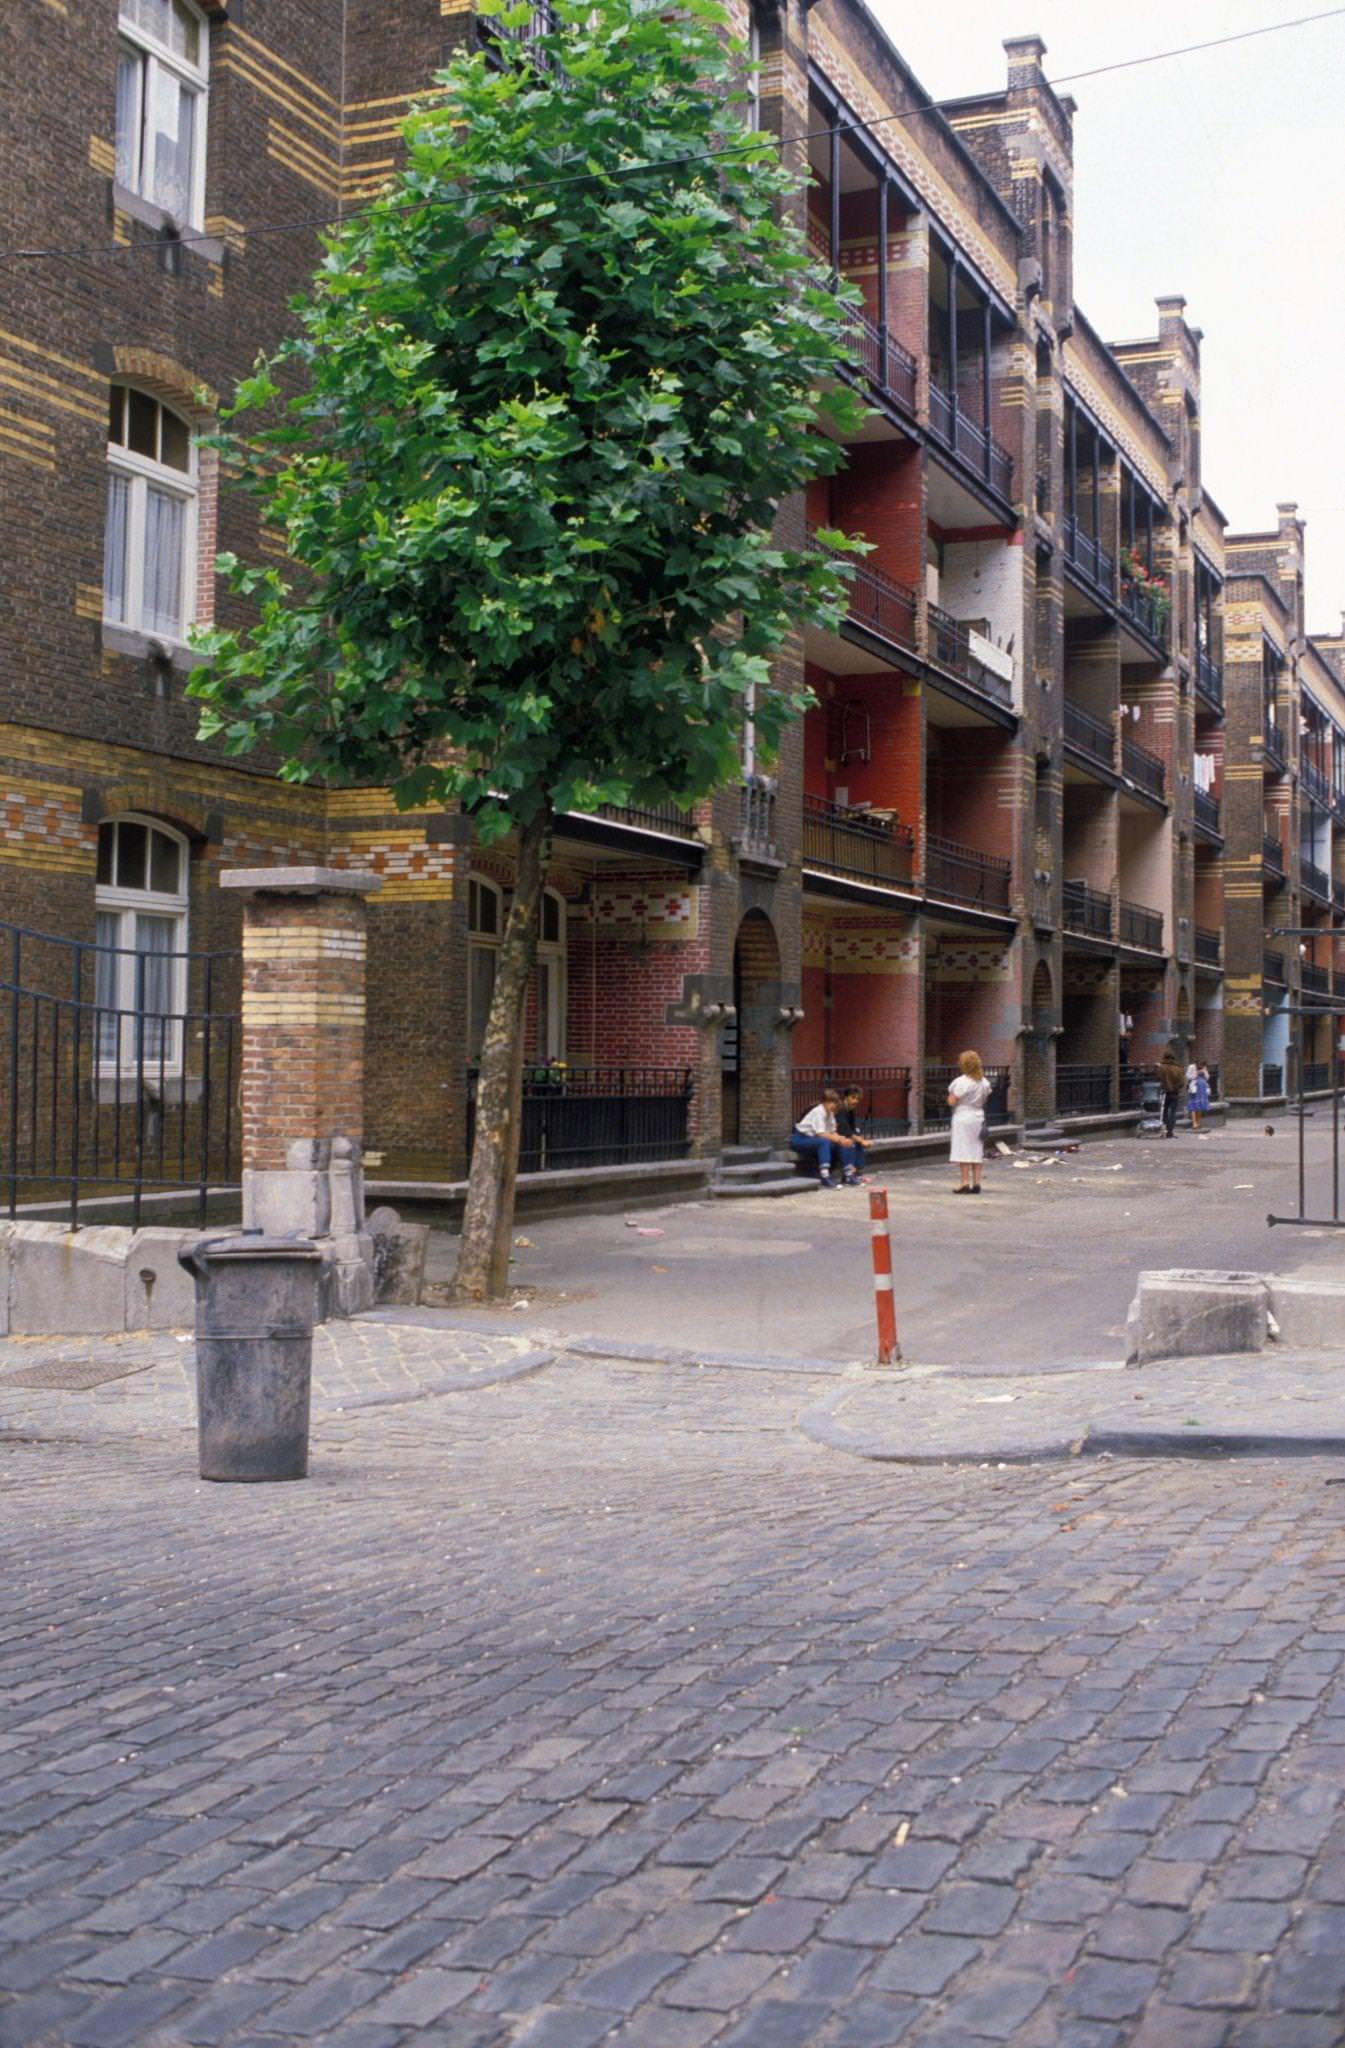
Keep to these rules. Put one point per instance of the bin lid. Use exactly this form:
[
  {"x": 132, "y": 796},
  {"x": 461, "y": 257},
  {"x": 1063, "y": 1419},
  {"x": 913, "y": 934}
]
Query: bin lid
[{"x": 255, "y": 1244}]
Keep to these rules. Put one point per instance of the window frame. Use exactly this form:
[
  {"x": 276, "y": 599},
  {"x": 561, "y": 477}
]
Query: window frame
[
  {"x": 126, "y": 903},
  {"x": 481, "y": 943},
  {"x": 553, "y": 954},
  {"x": 141, "y": 472},
  {"x": 152, "y": 57}
]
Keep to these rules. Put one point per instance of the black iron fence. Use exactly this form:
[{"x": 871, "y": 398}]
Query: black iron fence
[
  {"x": 1209, "y": 678},
  {"x": 884, "y": 1112},
  {"x": 856, "y": 843},
  {"x": 1089, "y": 556},
  {"x": 950, "y": 646},
  {"x": 1207, "y": 811},
  {"x": 1316, "y": 882},
  {"x": 598, "y": 1116},
  {"x": 121, "y": 1072},
  {"x": 1141, "y": 927},
  {"x": 1086, "y": 910},
  {"x": 1272, "y": 967},
  {"x": 1089, "y": 735},
  {"x": 889, "y": 367},
  {"x": 979, "y": 450},
  {"x": 1081, "y": 1090},
  {"x": 1272, "y": 853},
  {"x": 964, "y": 875},
  {"x": 1209, "y": 946},
  {"x": 1273, "y": 743},
  {"x": 1145, "y": 609},
  {"x": 667, "y": 817},
  {"x": 936, "y": 1113},
  {"x": 1144, "y": 769}
]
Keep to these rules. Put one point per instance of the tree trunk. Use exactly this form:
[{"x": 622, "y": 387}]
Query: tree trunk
[{"x": 488, "y": 1220}]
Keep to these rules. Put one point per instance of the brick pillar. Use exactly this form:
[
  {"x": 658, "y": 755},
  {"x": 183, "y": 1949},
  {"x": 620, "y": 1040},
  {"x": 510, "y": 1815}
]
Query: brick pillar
[{"x": 303, "y": 1062}]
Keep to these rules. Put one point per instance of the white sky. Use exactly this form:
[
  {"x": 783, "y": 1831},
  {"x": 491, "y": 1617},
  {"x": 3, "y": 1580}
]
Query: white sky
[{"x": 1220, "y": 175}]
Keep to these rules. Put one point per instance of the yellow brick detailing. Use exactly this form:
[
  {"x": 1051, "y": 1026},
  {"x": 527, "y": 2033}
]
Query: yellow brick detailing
[
  {"x": 102, "y": 156},
  {"x": 26, "y": 439},
  {"x": 226, "y": 230},
  {"x": 40, "y": 826},
  {"x": 88, "y": 600},
  {"x": 247, "y": 69},
  {"x": 288, "y": 148},
  {"x": 302, "y": 942},
  {"x": 276, "y": 1010}
]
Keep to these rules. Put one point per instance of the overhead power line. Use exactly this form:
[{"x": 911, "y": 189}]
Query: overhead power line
[{"x": 303, "y": 223}]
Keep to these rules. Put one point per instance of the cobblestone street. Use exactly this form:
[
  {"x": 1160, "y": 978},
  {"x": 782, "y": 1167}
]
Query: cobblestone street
[{"x": 600, "y": 1705}]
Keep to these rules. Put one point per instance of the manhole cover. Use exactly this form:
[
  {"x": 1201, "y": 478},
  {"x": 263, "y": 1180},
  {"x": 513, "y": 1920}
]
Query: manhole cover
[{"x": 73, "y": 1375}]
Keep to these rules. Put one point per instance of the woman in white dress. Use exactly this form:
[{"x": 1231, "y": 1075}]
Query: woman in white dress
[{"x": 967, "y": 1099}]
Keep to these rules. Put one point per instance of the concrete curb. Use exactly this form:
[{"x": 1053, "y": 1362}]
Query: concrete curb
[
  {"x": 818, "y": 1424},
  {"x": 519, "y": 1368},
  {"x": 618, "y": 1349}
]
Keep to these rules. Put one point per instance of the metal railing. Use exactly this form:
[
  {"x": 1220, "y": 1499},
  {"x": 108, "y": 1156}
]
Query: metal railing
[
  {"x": 885, "y": 1111},
  {"x": 950, "y": 646},
  {"x": 888, "y": 366},
  {"x": 1316, "y": 882},
  {"x": 1207, "y": 810},
  {"x": 965, "y": 875},
  {"x": 492, "y": 33},
  {"x": 1209, "y": 946},
  {"x": 875, "y": 600},
  {"x": 757, "y": 817},
  {"x": 1273, "y": 744},
  {"x": 851, "y": 842},
  {"x": 1145, "y": 610},
  {"x": 979, "y": 450},
  {"x": 1272, "y": 853},
  {"x": 1097, "y": 563},
  {"x": 1140, "y": 1088},
  {"x": 1272, "y": 1079},
  {"x": 1082, "y": 1089},
  {"x": 1141, "y": 926},
  {"x": 1144, "y": 769},
  {"x": 669, "y": 818},
  {"x": 1089, "y": 735},
  {"x": 598, "y": 1116},
  {"x": 1315, "y": 783},
  {"x": 1314, "y": 980},
  {"x": 1272, "y": 968},
  {"x": 1316, "y": 1076},
  {"x": 935, "y": 1112},
  {"x": 121, "y": 1074},
  {"x": 1209, "y": 679},
  {"x": 1338, "y": 896},
  {"x": 1086, "y": 910}
]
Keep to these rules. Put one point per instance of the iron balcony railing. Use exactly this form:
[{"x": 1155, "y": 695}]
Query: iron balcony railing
[
  {"x": 950, "y": 646},
  {"x": 1316, "y": 981},
  {"x": 885, "y": 1110},
  {"x": 1082, "y": 1090},
  {"x": 598, "y": 1116},
  {"x": 1316, "y": 1076},
  {"x": 1090, "y": 557},
  {"x": 1209, "y": 946},
  {"x": 1145, "y": 610},
  {"x": 1273, "y": 743},
  {"x": 1272, "y": 1079},
  {"x": 851, "y": 842},
  {"x": 889, "y": 367},
  {"x": 1209, "y": 679},
  {"x": 757, "y": 817},
  {"x": 1144, "y": 769},
  {"x": 1141, "y": 926},
  {"x": 1272, "y": 853},
  {"x": 1088, "y": 735},
  {"x": 1086, "y": 910},
  {"x": 936, "y": 1114},
  {"x": 875, "y": 600},
  {"x": 541, "y": 21},
  {"x": 1338, "y": 896},
  {"x": 1272, "y": 968},
  {"x": 980, "y": 451},
  {"x": 1315, "y": 881},
  {"x": 965, "y": 875},
  {"x": 1207, "y": 810},
  {"x": 669, "y": 818},
  {"x": 1315, "y": 783}
]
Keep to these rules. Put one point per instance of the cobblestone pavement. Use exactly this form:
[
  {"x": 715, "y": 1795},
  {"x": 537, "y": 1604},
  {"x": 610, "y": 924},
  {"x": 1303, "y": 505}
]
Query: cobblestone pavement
[{"x": 600, "y": 1706}]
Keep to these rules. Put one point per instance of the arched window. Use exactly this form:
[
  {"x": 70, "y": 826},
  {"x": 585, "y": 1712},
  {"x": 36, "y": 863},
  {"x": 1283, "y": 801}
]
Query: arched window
[
  {"x": 162, "y": 53},
  {"x": 140, "y": 984},
  {"x": 485, "y": 922},
  {"x": 549, "y": 980},
  {"x": 149, "y": 543}
]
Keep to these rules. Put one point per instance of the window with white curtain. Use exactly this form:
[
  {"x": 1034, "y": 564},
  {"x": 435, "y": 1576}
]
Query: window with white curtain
[
  {"x": 485, "y": 923},
  {"x": 140, "y": 980},
  {"x": 149, "y": 543},
  {"x": 161, "y": 102}
]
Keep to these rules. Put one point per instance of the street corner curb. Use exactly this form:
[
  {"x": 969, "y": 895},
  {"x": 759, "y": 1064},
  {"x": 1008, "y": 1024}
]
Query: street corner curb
[
  {"x": 519, "y": 1368},
  {"x": 819, "y": 1425},
  {"x": 623, "y": 1350},
  {"x": 1210, "y": 1443}
]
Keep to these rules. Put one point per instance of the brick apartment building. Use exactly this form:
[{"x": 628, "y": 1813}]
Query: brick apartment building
[{"x": 1005, "y": 821}]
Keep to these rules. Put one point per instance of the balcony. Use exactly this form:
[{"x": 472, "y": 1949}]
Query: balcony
[
  {"x": 1086, "y": 910},
  {"x": 1338, "y": 898},
  {"x": 1316, "y": 981},
  {"x": 1315, "y": 882},
  {"x": 885, "y": 1111},
  {"x": 884, "y": 363},
  {"x": 1272, "y": 741},
  {"x": 939, "y": 1079},
  {"x": 1316, "y": 1076},
  {"x": 1089, "y": 736},
  {"x": 1146, "y": 611},
  {"x": 1141, "y": 926},
  {"x": 1142, "y": 768},
  {"x": 1272, "y": 968},
  {"x": 1315, "y": 783},
  {"x": 875, "y": 601},
  {"x": 541, "y": 21},
  {"x": 669, "y": 818},
  {"x": 1080, "y": 1091},
  {"x": 1272, "y": 855},
  {"x": 979, "y": 450},
  {"x": 950, "y": 646},
  {"x": 756, "y": 832},
  {"x": 1090, "y": 558},
  {"x": 1209, "y": 946},
  {"x": 1207, "y": 811},
  {"x": 965, "y": 876},
  {"x": 1209, "y": 680},
  {"x": 856, "y": 844}
]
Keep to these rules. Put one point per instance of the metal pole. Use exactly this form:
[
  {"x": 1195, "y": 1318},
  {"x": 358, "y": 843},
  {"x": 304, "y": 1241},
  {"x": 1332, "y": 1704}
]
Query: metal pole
[{"x": 889, "y": 1351}]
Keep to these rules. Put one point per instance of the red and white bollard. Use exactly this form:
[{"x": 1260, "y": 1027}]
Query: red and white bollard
[{"x": 889, "y": 1351}]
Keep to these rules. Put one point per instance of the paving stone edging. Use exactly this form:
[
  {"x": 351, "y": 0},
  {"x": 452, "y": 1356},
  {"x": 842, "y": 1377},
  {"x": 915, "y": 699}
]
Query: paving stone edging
[{"x": 519, "y": 1368}]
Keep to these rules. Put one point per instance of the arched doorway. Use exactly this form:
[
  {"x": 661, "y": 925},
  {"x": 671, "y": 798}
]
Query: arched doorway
[
  {"x": 1041, "y": 1022},
  {"x": 749, "y": 1046}
]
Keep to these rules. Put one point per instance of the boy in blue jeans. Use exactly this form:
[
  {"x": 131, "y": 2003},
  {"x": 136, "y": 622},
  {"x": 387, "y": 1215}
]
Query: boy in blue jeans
[{"x": 814, "y": 1136}]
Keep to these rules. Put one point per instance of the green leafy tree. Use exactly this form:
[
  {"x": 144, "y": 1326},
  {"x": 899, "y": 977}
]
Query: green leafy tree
[{"x": 527, "y": 446}]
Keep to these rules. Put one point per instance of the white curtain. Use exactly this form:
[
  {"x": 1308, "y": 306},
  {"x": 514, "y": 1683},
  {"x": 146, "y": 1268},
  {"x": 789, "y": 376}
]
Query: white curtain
[
  {"x": 130, "y": 83},
  {"x": 114, "y": 548},
  {"x": 105, "y": 965},
  {"x": 154, "y": 939},
  {"x": 164, "y": 521},
  {"x": 172, "y": 129}
]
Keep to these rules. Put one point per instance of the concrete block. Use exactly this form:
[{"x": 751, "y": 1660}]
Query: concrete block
[
  {"x": 1310, "y": 1312},
  {"x": 287, "y": 1201},
  {"x": 67, "y": 1281},
  {"x": 1195, "y": 1315},
  {"x": 399, "y": 1257},
  {"x": 6, "y": 1239},
  {"x": 159, "y": 1294}
]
